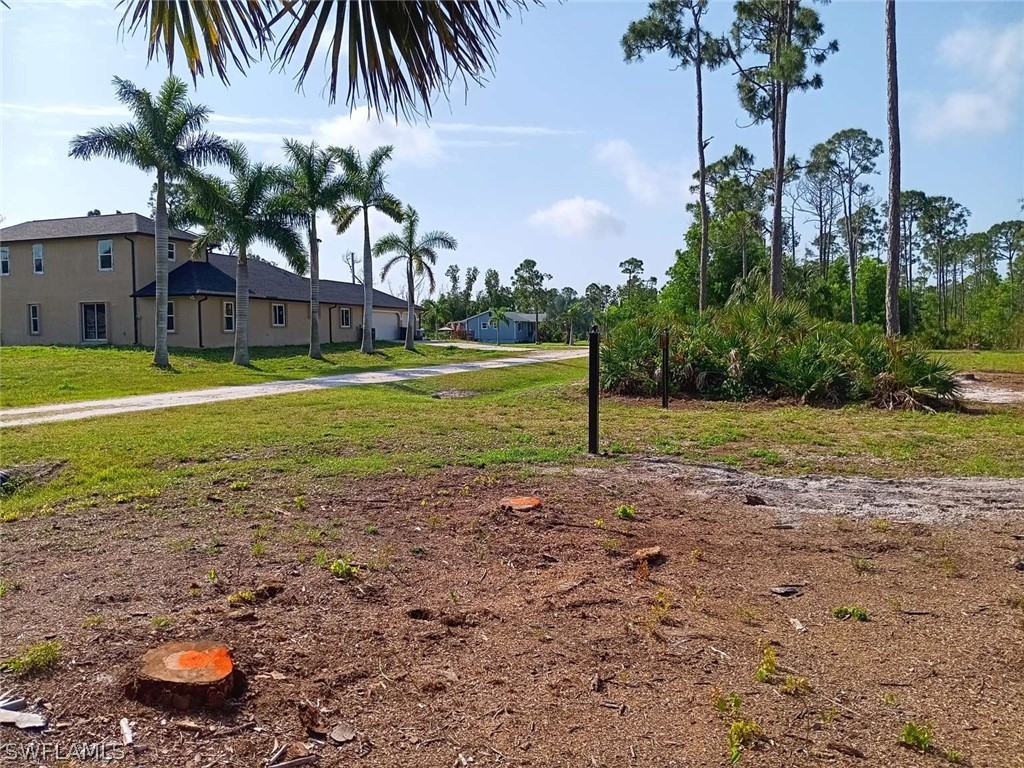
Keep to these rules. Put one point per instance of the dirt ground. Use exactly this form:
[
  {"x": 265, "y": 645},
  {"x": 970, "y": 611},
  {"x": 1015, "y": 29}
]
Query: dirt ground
[{"x": 474, "y": 636}]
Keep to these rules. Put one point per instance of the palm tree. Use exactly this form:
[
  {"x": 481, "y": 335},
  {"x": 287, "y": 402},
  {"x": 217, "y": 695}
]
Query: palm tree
[
  {"x": 313, "y": 186},
  {"x": 499, "y": 315},
  {"x": 168, "y": 137},
  {"x": 364, "y": 188},
  {"x": 892, "y": 282},
  {"x": 395, "y": 55},
  {"x": 419, "y": 255},
  {"x": 249, "y": 208},
  {"x": 573, "y": 313}
]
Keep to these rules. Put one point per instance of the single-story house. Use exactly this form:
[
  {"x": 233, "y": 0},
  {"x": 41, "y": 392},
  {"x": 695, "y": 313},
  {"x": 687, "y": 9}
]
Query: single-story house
[
  {"x": 90, "y": 280},
  {"x": 518, "y": 327}
]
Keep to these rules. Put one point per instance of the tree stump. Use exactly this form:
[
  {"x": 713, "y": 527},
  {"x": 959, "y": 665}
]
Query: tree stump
[
  {"x": 187, "y": 676},
  {"x": 520, "y": 503}
]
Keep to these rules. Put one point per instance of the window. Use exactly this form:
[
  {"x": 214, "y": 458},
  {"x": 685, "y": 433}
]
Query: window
[
  {"x": 344, "y": 317},
  {"x": 37, "y": 258},
  {"x": 105, "y": 255},
  {"x": 484, "y": 326},
  {"x": 172, "y": 251},
  {"x": 94, "y": 322},
  {"x": 277, "y": 315},
  {"x": 170, "y": 317},
  {"x": 33, "y": 319},
  {"x": 5, "y": 261},
  {"x": 229, "y": 316}
]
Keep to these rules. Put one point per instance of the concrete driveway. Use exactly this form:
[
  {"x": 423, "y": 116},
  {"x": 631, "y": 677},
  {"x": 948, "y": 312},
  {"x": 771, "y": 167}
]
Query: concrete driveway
[{"x": 87, "y": 409}]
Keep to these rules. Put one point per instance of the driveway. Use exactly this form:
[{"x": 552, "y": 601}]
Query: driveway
[{"x": 42, "y": 414}]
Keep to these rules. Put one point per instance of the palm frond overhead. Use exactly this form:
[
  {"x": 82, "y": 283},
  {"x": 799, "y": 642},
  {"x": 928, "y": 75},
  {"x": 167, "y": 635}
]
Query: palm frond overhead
[{"x": 394, "y": 55}]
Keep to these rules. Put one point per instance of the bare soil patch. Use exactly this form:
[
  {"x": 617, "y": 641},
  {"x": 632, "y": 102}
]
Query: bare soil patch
[
  {"x": 526, "y": 639},
  {"x": 991, "y": 387}
]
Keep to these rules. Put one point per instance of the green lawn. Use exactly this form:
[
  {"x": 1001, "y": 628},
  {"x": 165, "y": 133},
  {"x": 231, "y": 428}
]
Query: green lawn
[
  {"x": 991, "y": 361},
  {"x": 36, "y": 375},
  {"x": 284, "y": 446}
]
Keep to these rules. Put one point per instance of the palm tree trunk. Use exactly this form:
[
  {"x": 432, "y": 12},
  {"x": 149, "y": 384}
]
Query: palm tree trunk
[
  {"x": 241, "y": 356},
  {"x": 367, "y": 344},
  {"x": 892, "y": 282},
  {"x": 160, "y": 357},
  {"x": 410, "y": 320},
  {"x": 778, "y": 183},
  {"x": 314, "y": 291},
  {"x": 702, "y": 300}
]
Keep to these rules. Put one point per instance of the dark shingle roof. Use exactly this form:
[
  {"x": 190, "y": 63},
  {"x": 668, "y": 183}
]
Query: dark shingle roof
[
  {"x": 266, "y": 281},
  {"x": 86, "y": 226}
]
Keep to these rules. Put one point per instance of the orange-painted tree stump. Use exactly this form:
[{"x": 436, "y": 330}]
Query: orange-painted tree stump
[
  {"x": 187, "y": 676},
  {"x": 521, "y": 503}
]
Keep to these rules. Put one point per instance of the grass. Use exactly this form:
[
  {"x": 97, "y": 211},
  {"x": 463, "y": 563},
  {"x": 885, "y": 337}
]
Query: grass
[
  {"x": 523, "y": 416},
  {"x": 34, "y": 375},
  {"x": 33, "y": 659},
  {"x": 991, "y": 361}
]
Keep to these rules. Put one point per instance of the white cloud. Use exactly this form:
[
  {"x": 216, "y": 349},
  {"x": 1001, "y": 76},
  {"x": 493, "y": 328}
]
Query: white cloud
[
  {"x": 990, "y": 59},
  {"x": 414, "y": 144},
  {"x": 579, "y": 217},
  {"x": 512, "y": 130},
  {"x": 646, "y": 182}
]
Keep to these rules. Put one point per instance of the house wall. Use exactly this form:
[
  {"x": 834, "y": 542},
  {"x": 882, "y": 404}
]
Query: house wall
[
  {"x": 71, "y": 277},
  {"x": 262, "y": 332},
  {"x": 510, "y": 331}
]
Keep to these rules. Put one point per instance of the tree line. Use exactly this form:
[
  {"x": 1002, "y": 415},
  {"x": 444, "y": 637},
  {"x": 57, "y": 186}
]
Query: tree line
[{"x": 277, "y": 205}]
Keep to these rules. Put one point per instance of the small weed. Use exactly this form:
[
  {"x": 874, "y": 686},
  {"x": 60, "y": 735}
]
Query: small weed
[
  {"x": 916, "y": 736},
  {"x": 766, "y": 670},
  {"x": 92, "y": 622},
  {"x": 322, "y": 559},
  {"x": 696, "y": 555},
  {"x": 162, "y": 622},
  {"x": 698, "y": 596},
  {"x": 743, "y": 734},
  {"x": 862, "y": 565},
  {"x": 243, "y": 597},
  {"x": 194, "y": 592},
  {"x": 850, "y": 612},
  {"x": 625, "y": 512},
  {"x": 829, "y": 715},
  {"x": 259, "y": 548},
  {"x": 212, "y": 576},
  {"x": 794, "y": 685},
  {"x": 889, "y": 699},
  {"x": 726, "y": 704},
  {"x": 372, "y": 529},
  {"x": 6, "y": 587},
  {"x": 955, "y": 757},
  {"x": 381, "y": 559},
  {"x": 454, "y": 596},
  {"x": 240, "y": 485},
  {"x": 950, "y": 567},
  {"x": 611, "y": 546},
  {"x": 435, "y": 521},
  {"x": 661, "y": 606},
  {"x": 33, "y": 659},
  {"x": 343, "y": 570},
  {"x": 300, "y": 502},
  {"x": 881, "y": 525},
  {"x": 180, "y": 546},
  {"x": 599, "y": 523},
  {"x": 749, "y": 615},
  {"x": 418, "y": 550}
]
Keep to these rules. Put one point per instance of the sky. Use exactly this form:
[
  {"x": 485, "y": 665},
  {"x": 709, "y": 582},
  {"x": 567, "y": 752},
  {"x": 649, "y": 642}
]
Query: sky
[{"x": 567, "y": 155}]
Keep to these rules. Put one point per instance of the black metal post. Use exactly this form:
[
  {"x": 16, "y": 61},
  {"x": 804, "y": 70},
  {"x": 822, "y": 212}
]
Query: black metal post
[
  {"x": 664, "y": 368},
  {"x": 595, "y": 386}
]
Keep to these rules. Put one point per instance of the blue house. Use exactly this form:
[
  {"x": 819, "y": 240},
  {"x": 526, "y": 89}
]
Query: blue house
[{"x": 518, "y": 327}]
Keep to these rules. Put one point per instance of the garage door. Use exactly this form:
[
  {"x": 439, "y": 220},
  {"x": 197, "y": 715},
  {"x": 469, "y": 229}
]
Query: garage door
[{"x": 385, "y": 322}]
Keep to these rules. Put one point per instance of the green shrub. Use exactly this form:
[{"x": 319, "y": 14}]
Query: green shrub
[{"x": 774, "y": 349}]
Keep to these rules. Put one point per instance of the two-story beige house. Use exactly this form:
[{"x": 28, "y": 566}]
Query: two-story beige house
[{"x": 90, "y": 280}]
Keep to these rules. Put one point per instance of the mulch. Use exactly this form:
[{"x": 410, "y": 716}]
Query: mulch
[{"x": 477, "y": 635}]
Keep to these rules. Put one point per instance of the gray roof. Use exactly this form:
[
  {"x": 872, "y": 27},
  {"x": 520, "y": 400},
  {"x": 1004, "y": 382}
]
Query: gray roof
[
  {"x": 86, "y": 226},
  {"x": 266, "y": 281},
  {"x": 521, "y": 317}
]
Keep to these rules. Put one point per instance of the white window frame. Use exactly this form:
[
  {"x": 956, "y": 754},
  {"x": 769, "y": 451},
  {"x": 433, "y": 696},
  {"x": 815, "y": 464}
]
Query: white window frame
[
  {"x": 483, "y": 325},
  {"x": 273, "y": 315},
  {"x": 33, "y": 318},
  {"x": 38, "y": 259},
  {"x": 344, "y": 317},
  {"x": 106, "y": 334},
  {"x": 228, "y": 316},
  {"x": 99, "y": 256},
  {"x": 172, "y": 251},
  {"x": 5, "y": 261},
  {"x": 171, "y": 326}
]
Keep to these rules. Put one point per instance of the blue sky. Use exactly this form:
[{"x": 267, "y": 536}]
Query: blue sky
[{"x": 567, "y": 156}]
